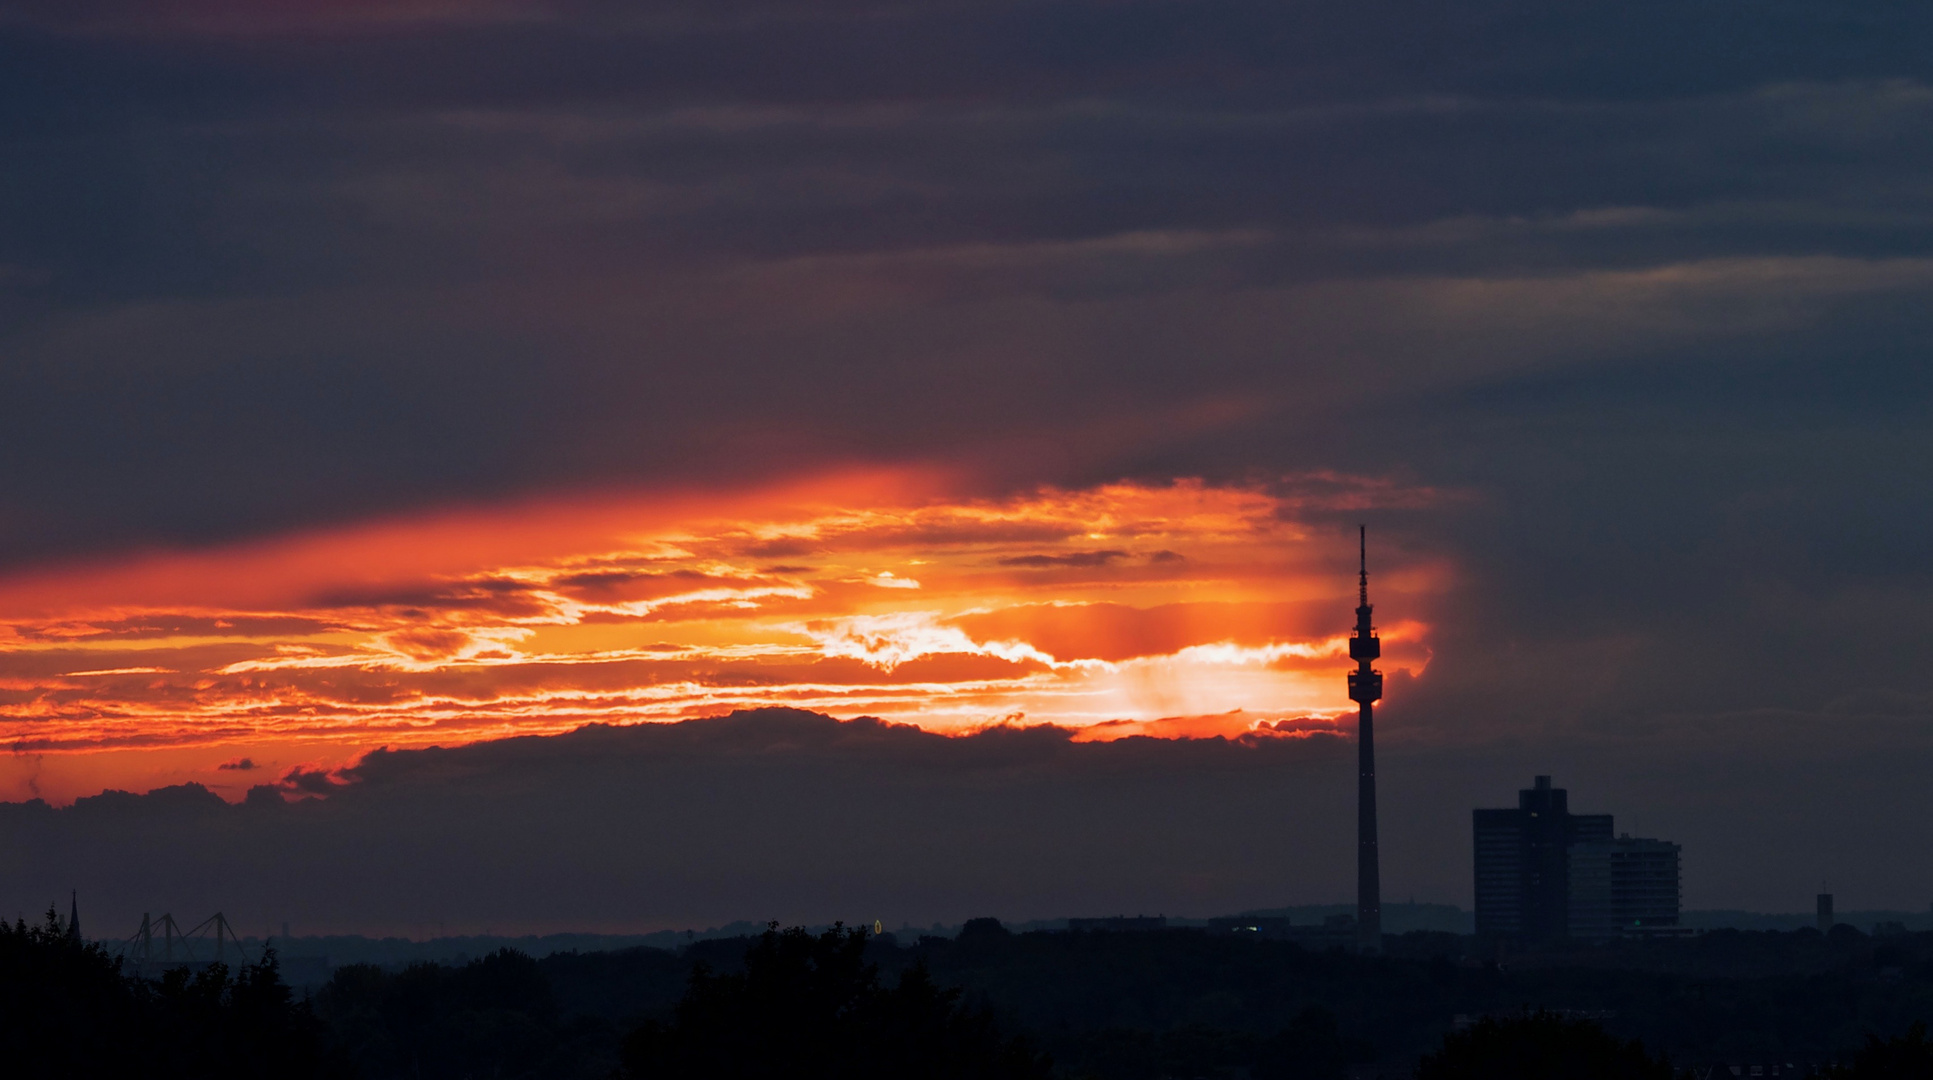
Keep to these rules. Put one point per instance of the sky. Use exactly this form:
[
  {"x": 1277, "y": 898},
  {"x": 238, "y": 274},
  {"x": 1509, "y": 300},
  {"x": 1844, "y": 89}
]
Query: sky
[
  {"x": 454, "y": 374},
  {"x": 1174, "y": 610}
]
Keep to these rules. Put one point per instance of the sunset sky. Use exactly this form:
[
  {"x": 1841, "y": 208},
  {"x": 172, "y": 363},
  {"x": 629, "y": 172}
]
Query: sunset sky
[
  {"x": 426, "y": 374},
  {"x": 1173, "y": 609}
]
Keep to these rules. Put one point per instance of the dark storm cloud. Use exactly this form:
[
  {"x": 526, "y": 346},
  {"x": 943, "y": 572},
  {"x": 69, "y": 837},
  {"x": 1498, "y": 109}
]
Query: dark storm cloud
[
  {"x": 777, "y": 814},
  {"x": 787, "y": 815}
]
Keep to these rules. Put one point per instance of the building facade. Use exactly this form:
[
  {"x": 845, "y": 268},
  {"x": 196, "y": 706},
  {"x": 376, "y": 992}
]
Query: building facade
[
  {"x": 1627, "y": 887},
  {"x": 1523, "y": 863}
]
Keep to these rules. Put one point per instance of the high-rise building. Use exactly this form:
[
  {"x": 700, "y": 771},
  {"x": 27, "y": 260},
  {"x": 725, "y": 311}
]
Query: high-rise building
[
  {"x": 1627, "y": 887},
  {"x": 1365, "y": 689},
  {"x": 1545, "y": 874},
  {"x": 1523, "y": 863}
]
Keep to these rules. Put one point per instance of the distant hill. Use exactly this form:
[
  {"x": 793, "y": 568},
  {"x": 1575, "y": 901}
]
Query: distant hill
[
  {"x": 1864, "y": 921},
  {"x": 1397, "y": 918},
  {"x": 340, "y": 949}
]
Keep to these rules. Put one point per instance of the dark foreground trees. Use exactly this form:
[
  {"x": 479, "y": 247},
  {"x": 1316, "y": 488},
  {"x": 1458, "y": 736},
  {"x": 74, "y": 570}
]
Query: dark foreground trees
[
  {"x": 492, "y": 1017},
  {"x": 1129, "y": 1006},
  {"x": 1908, "y": 1057},
  {"x": 1539, "y": 1046},
  {"x": 810, "y": 1005},
  {"x": 67, "y": 1011}
]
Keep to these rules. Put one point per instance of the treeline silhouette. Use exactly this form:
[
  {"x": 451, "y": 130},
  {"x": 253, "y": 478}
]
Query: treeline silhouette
[
  {"x": 1540, "y": 1046},
  {"x": 811, "y": 1005},
  {"x": 66, "y": 1010},
  {"x": 992, "y": 1004}
]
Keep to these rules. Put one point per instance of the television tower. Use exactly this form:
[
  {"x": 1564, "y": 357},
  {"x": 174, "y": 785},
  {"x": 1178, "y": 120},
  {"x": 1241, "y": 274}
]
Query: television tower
[{"x": 1365, "y": 688}]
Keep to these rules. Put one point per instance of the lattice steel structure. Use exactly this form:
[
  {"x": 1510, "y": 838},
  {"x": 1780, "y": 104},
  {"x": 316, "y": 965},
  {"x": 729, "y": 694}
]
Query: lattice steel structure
[{"x": 210, "y": 941}]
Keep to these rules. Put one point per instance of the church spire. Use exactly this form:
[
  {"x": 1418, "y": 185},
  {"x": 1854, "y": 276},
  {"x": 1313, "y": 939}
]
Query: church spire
[{"x": 74, "y": 917}]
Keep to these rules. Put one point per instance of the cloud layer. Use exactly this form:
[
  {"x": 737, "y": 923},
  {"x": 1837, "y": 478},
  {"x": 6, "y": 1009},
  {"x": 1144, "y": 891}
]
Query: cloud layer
[
  {"x": 773, "y": 814},
  {"x": 1123, "y": 604},
  {"x": 272, "y": 265},
  {"x": 779, "y": 814}
]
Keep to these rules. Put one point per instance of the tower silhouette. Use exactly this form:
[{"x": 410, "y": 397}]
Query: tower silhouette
[{"x": 1365, "y": 688}]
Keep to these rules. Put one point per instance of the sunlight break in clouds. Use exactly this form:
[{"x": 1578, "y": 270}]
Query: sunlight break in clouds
[{"x": 1177, "y": 609}]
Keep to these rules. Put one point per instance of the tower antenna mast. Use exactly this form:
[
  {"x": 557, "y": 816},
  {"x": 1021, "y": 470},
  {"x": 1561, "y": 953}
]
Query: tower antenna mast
[{"x": 1365, "y": 689}]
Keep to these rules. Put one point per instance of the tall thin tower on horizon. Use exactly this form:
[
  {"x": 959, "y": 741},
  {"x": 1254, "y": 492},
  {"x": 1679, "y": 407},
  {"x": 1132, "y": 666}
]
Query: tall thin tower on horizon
[{"x": 1366, "y": 688}]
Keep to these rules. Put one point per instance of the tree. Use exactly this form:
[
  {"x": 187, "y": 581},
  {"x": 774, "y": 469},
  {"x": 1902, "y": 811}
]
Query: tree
[
  {"x": 1907, "y": 1057},
  {"x": 1539, "y": 1046},
  {"x": 1309, "y": 1047},
  {"x": 66, "y": 1010},
  {"x": 810, "y": 1005},
  {"x": 207, "y": 1024},
  {"x": 57, "y": 995},
  {"x": 493, "y": 1016}
]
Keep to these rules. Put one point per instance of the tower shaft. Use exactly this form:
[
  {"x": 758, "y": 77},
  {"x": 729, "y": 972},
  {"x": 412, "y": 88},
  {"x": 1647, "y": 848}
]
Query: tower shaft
[
  {"x": 1365, "y": 689},
  {"x": 1369, "y": 886}
]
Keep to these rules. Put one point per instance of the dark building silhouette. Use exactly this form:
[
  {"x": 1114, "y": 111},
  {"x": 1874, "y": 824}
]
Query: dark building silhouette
[
  {"x": 1523, "y": 863},
  {"x": 1365, "y": 688},
  {"x": 1627, "y": 887},
  {"x": 1825, "y": 913},
  {"x": 74, "y": 916}
]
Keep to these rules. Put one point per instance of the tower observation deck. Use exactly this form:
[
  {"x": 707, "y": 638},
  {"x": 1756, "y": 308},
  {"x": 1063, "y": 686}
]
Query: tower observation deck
[{"x": 1365, "y": 689}]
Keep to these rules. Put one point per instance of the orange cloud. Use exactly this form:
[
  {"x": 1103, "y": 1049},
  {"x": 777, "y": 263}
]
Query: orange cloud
[{"x": 1180, "y": 609}]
